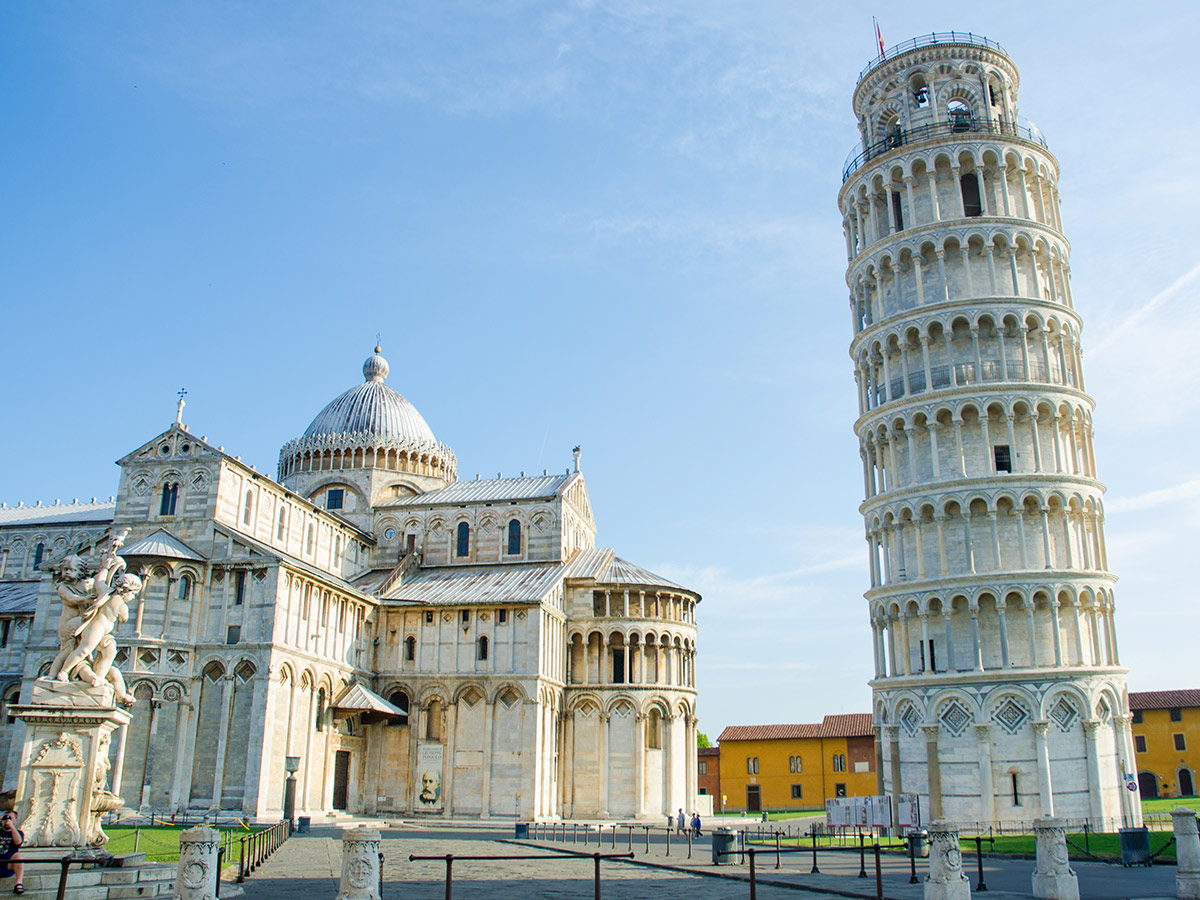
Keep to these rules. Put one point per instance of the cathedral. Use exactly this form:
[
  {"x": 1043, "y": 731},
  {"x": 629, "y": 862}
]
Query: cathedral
[{"x": 404, "y": 642}]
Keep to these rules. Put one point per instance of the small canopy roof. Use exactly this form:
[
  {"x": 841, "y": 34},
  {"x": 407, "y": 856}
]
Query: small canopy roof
[
  {"x": 357, "y": 698},
  {"x": 162, "y": 545}
]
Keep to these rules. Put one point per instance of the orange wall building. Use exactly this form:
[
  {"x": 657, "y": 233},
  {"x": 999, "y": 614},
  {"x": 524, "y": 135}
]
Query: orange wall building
[
  {"x": 708, "y": 774},
  {"x": 1166, "y": 741},
  {"x": 790, "y": 767}
]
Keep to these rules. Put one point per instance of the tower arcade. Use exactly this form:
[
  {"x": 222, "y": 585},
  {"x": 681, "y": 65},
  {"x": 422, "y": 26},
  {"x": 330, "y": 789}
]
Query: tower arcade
[{"x": 998, "y": 692}]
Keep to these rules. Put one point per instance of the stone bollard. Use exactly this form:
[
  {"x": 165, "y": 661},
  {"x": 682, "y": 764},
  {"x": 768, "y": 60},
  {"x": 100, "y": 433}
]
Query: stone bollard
[
  {"x": 945, "y": 880},
  {"x": 197, "y": 875},
  {"x": 360, "y": 864},
  {"x": 1053, "y": 878},
  {"x": 1187, "y": 854}
]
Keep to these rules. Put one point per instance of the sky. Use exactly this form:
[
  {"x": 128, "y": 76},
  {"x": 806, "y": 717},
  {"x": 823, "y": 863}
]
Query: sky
[{"x": 608, "y": 223}]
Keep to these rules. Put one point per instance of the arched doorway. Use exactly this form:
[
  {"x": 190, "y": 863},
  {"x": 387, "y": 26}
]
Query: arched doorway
[
  {"x": 1148, "y": 785},
  {"x": 1184, "y": 779}
]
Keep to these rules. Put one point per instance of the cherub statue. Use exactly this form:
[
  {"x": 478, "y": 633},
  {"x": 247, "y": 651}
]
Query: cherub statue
[{"x": 91, "y": 608}]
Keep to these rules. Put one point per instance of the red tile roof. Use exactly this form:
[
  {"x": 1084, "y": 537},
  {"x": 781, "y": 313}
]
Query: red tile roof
[
  {"x": 1163, "y": 699},
  {"x": 849, "y": 725},
  {"x": 708, "y": 751}
]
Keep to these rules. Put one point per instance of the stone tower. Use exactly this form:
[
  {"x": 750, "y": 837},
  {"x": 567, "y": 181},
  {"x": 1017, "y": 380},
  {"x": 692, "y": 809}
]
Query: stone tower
[{"x": 998, "y": 692}]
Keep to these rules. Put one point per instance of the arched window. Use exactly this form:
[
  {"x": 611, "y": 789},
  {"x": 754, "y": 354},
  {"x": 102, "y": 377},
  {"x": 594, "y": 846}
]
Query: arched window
[
  {"x": 483, "y": 647},
  {"x": 972, "y": 202},
  {"x": 170, "y": 493},
  {"x": 793, "y": 764},
  {"x": 959, "y": 114},
  {"x": 38, "y": 552},
  {"x": 185, "y": 587},
  {"x": 249, "y": 508},
  {"x": 10, "y": 700},
  {"x": 320, "y": 722},
  {"x": 751, "y": 765},
  {"x": 463, "y": 547},
  {"x": 410, "y": 648},
  {"x": 514, "y": 538},
  {"x": 399, "y": 699}
]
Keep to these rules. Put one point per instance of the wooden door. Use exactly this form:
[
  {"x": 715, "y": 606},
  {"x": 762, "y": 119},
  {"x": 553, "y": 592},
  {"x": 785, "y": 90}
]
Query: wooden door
[
  {"x": 341, "y": 779},
  {"x": 753, "y": 798}
]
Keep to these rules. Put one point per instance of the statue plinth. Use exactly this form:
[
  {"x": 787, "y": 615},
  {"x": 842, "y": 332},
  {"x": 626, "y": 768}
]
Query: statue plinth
[{"x": 62, "y": 788}]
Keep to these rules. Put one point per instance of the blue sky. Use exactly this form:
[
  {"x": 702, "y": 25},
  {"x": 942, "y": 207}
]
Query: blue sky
[{"x": 606, "y": 223}]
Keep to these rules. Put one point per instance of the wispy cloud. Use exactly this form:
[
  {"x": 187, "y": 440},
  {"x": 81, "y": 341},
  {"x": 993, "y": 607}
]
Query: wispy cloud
[
  {"x": 1144, "y": 311},
  {"x": 1188, "y": 490}
]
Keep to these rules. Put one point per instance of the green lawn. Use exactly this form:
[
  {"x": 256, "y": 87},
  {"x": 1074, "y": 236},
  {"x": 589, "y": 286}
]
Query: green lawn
[
  {"x": 160, "y": 843},
  {"x": 1166, "y": 804}
]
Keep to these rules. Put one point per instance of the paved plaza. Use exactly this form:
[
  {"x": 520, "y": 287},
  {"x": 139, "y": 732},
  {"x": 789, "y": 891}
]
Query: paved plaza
[{"x": 309, "y": 865}]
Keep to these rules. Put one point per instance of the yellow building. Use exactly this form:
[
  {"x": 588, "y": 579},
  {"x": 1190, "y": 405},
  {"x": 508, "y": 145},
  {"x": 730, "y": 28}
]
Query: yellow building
[
  {"x": 1166, "y": 741},
  {"x": 788, "y": 767}
]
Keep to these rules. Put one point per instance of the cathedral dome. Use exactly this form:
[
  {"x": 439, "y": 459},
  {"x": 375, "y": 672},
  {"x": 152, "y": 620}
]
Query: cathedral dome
[
  {"x": 372, "y": 409},
  {"x": 370, "y": 426}
]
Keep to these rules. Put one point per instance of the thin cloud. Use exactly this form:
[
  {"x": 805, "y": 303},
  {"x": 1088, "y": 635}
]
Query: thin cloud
[
  {"x": 1150, "y": 499},
  {"x": 1146, "y": 308}
]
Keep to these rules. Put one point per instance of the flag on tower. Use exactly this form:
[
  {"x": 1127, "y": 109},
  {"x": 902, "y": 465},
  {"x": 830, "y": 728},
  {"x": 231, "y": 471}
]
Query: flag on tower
[{"x": 878, "y": 36}]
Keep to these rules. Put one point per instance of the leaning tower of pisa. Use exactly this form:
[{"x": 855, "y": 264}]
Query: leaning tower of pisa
[{"x": 999, "y": 696}]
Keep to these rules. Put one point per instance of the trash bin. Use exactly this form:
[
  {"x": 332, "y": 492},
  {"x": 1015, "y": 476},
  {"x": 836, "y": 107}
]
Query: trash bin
[
  {"x": 919, "y": 839},
  {"x": 724, "y": 840},
  {"x": 304, "y": 823},
  {"x": 522, "y": 832},
  {"x": 1135, "y": 846}
]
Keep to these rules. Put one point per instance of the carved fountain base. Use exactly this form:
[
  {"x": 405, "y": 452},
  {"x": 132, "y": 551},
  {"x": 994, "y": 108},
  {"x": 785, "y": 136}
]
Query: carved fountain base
[{"x": 62, "y": 789}]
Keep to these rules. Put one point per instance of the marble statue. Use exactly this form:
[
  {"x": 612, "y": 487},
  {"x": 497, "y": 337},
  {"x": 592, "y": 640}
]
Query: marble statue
[{"x": 91, "y": 608}]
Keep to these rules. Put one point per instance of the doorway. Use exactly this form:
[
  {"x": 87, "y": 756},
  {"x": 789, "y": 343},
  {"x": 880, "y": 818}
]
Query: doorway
[
  {"x": 753, "y": 798},
  {"x": 341, "y": 779},
  {"x": 1186, "y": 788},
  {"x": 1148, "y": 785}
]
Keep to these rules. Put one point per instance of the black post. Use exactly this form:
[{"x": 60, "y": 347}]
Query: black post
[
  {"x": 668, "y": 840},
  {"x": 753, "y": 894},
  {"x": 62, "y": 878},
  {"x": 630, "y": 827},
  {"x": 862, "y": 855},
  {"x": 614, "y": 843},
  {"x": 647, "y": 828},
  {"x": 979, "y": 862},
  {"x": 1086, "y": 847},
  {"x": 449, "y": 873},
  {"x": 574, "y": 832},
  {"x": 381, "y": 876},
  {"x": 777, "y": 849},
  {"x": 912, "y": 860},
  {"x": 689, "y": 835},
  {"x": 220, "y": 856},
  {"x": 596, "y": 858},
  {"x": 878, "y": 875},
  {"x": 242, "y": 862},
  {"x": 815, "y": 870}
]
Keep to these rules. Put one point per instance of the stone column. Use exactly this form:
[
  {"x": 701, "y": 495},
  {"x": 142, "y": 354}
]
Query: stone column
[
  {"x": 222, "y": 740},
  {"x": 945, "y": 880},
  {"x": 986, "y": 788},
  {"x": 1053, "y": 878},
  {"x": 197, "y": 874},
  {"x": 1095, "y": 785},
  {"x": 1187, "y": 853},
  {"x": 1045, "y": 788},
  {"x": 893, "y": 735},
  {"x": 360, "y": 864},
  {"x": 933, "y": 771},
  {"x": 605, "y": 735}
]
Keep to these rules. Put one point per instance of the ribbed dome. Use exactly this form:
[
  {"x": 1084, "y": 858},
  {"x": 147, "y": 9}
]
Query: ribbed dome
[{"x": 373, "y": 409}]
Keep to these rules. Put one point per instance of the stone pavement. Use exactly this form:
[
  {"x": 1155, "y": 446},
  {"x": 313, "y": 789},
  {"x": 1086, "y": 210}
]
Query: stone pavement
[
  {"x": 310, "y": 865},
  {"x": 1005, "y": 877}
]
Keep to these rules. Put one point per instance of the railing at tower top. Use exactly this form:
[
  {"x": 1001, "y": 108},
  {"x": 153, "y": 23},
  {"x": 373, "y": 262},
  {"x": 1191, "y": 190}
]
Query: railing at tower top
[
  {"x": 928, "y": 40},
  {"x": 1024, "y": 130}
]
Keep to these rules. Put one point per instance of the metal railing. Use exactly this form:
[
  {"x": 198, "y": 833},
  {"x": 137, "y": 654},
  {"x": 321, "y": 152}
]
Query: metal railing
[
  {"x": 257, "y": 848},
  {"x": 928, "y": 40},
  {"x": 955, "y": 125},
  {"x": 450, "y": 859}
]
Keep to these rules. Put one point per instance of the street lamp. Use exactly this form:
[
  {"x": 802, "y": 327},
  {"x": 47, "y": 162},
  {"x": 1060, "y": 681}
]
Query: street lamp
[{"x": 291, "y": 763}]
